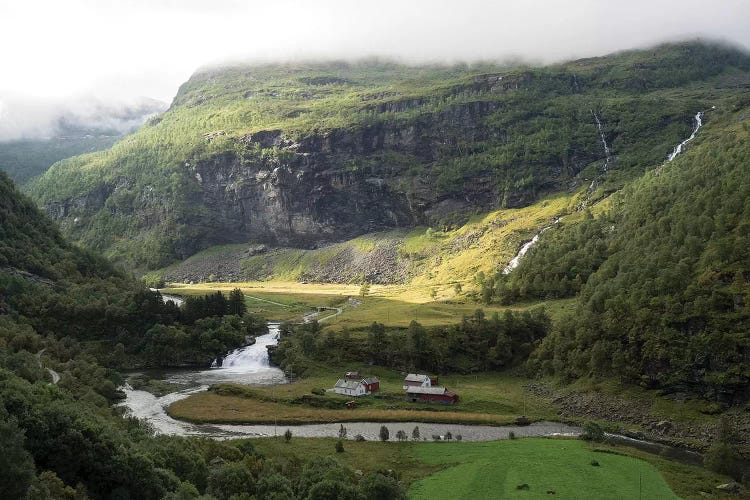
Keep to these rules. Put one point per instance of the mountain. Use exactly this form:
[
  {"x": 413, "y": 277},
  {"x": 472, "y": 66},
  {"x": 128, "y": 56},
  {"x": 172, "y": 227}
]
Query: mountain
[
  {"x": 33, "y": 137},
  {"x": 661, "y": 274},
  {"x": 302, "y": 155}
]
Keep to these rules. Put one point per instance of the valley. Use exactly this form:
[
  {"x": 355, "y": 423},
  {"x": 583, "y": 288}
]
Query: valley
[{"x": 558, "y": 255}]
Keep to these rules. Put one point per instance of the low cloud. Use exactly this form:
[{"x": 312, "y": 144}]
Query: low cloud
[
  {"x": 149, "y": 47},
  {"x": 33, "y": 118}
]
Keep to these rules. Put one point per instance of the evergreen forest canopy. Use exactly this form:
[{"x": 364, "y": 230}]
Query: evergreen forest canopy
[
  {"x": 67, "y": 310},
  {"x": 662, "y": 278}
]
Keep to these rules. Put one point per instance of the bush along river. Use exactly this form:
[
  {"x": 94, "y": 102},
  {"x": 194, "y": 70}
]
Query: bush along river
[{"x": 251, "y": 365}]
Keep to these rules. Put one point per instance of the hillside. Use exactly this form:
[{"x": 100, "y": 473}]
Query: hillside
[
  {"x": 31, "y": 148},
  {"x": 308, "y": 154},
  {"x": 68, "y": 324},
  {"x": 663, "y": 274},
  {"x": 422, "y": 256}
]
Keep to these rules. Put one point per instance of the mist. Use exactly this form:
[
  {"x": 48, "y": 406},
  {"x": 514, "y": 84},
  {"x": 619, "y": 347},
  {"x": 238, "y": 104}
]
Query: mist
[
  {"x": 23, "y": 118},
  {"x": 110, "y": 51}
]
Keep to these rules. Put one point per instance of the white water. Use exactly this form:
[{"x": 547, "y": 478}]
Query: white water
[
  {"x": 252, "y": 358},
  {"x": 165, "y": 297},
  {"x": 526, "y": 247},
  {"x": 678, "y": 149},
  {"x": 607, "y": 151}
]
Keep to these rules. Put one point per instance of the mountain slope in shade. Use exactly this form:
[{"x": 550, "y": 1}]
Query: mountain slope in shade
[{"x": 665, "y": 284}]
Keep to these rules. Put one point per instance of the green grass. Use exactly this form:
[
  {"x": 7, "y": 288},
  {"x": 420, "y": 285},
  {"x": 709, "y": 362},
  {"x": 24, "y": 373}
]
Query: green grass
[
  {"x": 488, "y": 398},
  {"x": 392, "y": 305},
  {"x": 494, "y": 470},
  {"x": 368, "y": 456}
]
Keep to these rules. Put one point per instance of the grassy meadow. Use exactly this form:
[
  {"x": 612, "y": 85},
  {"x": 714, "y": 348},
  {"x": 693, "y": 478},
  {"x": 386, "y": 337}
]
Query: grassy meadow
[
  {"x": 492, "y": 470},
  {"x": 486, "y": 398},
  {"x": 392, "y": 305},
  {"x": 496, "y": 469}
]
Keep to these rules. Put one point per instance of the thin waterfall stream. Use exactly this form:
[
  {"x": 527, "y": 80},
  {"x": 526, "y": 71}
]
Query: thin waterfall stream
[{"x": 698, "y": 119}]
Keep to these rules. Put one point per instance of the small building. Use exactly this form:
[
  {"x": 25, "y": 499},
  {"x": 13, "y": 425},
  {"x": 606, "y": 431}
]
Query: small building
[
  {"x": 372, "y": 384},
  {"x": 361, "y": 387},
  {"x": 437, "y": 394},
  {"x": 417, "y": 380},
  {"x": 352, "y": 375}
]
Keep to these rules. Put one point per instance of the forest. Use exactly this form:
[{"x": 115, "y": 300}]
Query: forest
[{"x": 64, "y": 309}]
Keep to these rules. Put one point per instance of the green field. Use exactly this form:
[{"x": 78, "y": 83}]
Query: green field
[
  {"x": 392, "y": 305},
  {"x": 486, "y": 398},
  {"x": 495, "y": 469}
]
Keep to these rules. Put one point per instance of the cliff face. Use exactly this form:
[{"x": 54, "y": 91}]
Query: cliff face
[
  {"x": 274, "y": 188},
  {"x": 316, "y": 189}
]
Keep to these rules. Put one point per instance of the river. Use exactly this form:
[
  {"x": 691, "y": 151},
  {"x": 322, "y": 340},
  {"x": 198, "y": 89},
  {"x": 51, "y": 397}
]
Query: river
[{"x": 251, "y": 365}]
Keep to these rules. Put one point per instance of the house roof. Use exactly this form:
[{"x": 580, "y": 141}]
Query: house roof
[
  {"x": 370, "y": 380},
  {"x": 428, "y": 390},
  {"x": 415, "y": 377},
  {"x": 347, "y": 384}
]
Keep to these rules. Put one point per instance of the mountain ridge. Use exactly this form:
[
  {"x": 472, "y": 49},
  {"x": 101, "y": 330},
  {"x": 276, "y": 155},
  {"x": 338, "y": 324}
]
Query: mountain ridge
[{"x": 305, "y": 156}]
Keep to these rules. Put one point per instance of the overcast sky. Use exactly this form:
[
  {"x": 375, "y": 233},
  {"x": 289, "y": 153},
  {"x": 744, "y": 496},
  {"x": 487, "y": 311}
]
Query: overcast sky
[{"x": 126, "y": 48}]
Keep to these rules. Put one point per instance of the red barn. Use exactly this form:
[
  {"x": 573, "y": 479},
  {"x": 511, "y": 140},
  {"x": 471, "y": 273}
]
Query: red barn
[
  {"x": 439, "y": 395},
  {"x": 371, "y": 384}
]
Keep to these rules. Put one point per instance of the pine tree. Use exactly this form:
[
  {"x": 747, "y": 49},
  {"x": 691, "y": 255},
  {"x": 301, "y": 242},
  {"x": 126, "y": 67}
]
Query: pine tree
[{"x": 236, "y": 304}]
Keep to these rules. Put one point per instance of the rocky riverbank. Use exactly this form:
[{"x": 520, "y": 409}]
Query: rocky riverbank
[{"x": 637, "y": 418}]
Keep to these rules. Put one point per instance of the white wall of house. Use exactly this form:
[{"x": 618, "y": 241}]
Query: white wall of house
[{"x": 358, "y": 391}]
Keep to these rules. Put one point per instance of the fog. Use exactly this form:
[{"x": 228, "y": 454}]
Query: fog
[
  {"x": 112, "y": 50},
  {"x": 23, "y": 117}
]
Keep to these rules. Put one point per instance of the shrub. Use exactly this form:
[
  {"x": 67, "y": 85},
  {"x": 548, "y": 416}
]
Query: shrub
[
  {"x": 384, "y": 433},
  {"x": 511, "y": 435},
  {"x": 595, "y": 463},
  {"x": 288, "y": 435},
  {"x": 339, "y": 446},
  {"x": 359, "y": 438},
  {"x": 153, "y": 280},
  {"x": 592, "y": 432}
]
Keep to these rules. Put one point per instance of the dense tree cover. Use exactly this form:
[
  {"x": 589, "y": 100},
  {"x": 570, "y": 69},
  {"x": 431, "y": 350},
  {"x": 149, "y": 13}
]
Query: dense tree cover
[
  {"x": 562, "y": 262},
  {"x": 522, "y": 131},
  {"x": 62, "y": 291},
  {"x": 665, "y": 294},
  {"x": 477, "y": 343},
  {"x": 65, "y": 310},
  {"x": 27, "y": 158}
]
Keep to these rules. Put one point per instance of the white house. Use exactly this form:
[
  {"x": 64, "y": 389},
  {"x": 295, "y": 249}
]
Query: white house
[
  {"x": 350, "y": 388},
  {"x": 417, "y": 380}
]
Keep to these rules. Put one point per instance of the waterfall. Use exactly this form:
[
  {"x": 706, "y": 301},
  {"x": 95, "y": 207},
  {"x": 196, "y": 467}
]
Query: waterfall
[
  {"x": 251, "y": 358},
  {"x": 607, "y": 151},
  {"x": 678, "y": 149},
  {"x": 165, "y": 297},
  {"x": 526, "y": 247}
]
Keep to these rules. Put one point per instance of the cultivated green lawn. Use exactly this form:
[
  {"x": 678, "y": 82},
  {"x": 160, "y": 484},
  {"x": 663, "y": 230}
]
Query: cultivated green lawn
[{"x": 493, "y": 470}]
